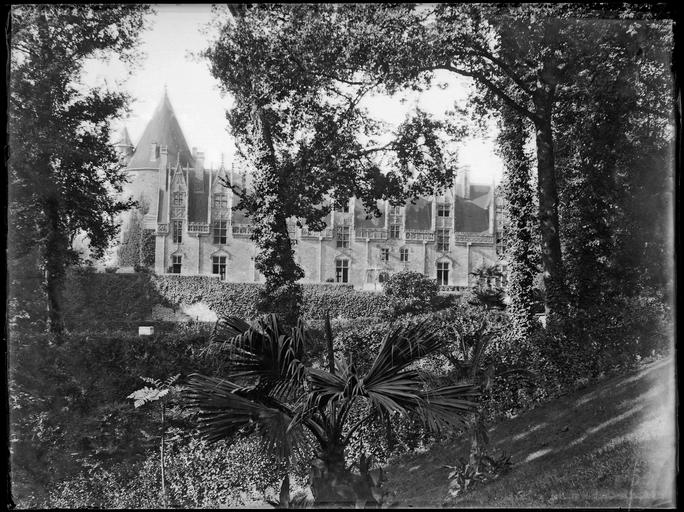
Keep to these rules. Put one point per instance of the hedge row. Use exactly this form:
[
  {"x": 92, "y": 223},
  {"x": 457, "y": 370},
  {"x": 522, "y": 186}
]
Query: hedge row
[
  {"x": 239, "y": 299},
  {"x": 108, "y": 301},
  {"x": 122, "y": 300}
]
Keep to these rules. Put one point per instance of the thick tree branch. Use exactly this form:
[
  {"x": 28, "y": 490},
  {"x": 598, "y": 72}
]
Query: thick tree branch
[
  {"x": 492, "y": 87},
  {"x": 505, "y": 68}
]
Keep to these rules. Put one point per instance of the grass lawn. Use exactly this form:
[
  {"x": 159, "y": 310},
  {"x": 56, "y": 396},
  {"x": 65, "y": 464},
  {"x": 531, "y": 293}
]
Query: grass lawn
[{"x": 609, "y": 445}]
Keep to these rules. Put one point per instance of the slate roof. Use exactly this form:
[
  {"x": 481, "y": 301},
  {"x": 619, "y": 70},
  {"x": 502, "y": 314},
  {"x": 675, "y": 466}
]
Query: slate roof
[
  {"x": 360, "y": 220},
  {"x": 198, "y": 196},
  {"x": 469, "y": 215},
  {"x": 163, "y": 129},
  {"x": 472, "y": 215},
  {"x": 419, "y": 215}
]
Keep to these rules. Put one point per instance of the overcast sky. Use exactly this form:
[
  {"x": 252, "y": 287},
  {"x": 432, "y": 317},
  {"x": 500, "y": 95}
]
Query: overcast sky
[{"x": 176, "y": 33}]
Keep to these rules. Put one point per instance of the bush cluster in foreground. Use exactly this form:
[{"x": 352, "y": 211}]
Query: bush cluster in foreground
[{"x": 77, "y": 442}]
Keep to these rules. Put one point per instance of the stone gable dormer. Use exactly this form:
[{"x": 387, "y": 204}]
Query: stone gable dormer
[{"x": 178, "y": 194}]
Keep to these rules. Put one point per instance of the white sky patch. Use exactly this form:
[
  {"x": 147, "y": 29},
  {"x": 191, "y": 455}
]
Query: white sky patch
[{"x": 175, "y": 35}]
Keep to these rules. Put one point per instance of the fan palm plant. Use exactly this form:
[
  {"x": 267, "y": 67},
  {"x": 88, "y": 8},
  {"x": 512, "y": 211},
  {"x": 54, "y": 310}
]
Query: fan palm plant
[{"x": 271, "y": 383}]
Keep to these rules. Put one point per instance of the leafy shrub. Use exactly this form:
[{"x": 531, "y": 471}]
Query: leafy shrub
[
  {"x": 409, "y": 284},
  {"x": 67, "y": 403},
  {"x": 108, "y": 301},
  {"x": 409, "y": 293},
  {"x": 465, "y": 476},
  {"x": 341, "y": 301},
  {"x": 197, "y": 476}
]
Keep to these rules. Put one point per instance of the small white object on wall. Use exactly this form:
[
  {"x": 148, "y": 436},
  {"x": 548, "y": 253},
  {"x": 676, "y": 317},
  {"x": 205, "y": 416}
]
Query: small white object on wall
[{"x": 145, "y": 330}]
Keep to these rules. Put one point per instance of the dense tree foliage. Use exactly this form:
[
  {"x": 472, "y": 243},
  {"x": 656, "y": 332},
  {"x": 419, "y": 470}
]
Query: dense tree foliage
[
  {"x": 62, "y": 168},
  {"x": 540, "y": 61},
  {"x": 137, "y": 248},
  {"x": 298, "y": 82},
  {"x": 614, "y": 149}
]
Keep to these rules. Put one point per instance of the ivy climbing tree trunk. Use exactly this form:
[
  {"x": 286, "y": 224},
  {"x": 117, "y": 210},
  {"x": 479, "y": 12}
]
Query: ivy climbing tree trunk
[
  {"x": 275, "y": 259},
  {"x": 519, "y": 199},
  {"x": 554, "y": 279}
]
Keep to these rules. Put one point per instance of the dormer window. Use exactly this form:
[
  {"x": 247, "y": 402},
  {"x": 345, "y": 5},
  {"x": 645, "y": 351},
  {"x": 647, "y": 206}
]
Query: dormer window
[
  {"x": 220, "y": 201},
  {"x": 220, "y": 229},
  {"x": 178, "y": 199},
  {"x": 343, "y": 236}
]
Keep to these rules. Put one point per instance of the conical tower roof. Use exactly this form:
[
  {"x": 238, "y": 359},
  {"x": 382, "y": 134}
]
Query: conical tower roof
[{"x": 164, "y": 130}]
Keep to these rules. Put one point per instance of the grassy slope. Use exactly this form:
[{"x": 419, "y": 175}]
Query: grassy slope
[{"x": 610, "y": 445}]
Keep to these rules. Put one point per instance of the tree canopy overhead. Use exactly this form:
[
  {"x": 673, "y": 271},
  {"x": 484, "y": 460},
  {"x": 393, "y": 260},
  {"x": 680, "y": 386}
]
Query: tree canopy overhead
[
  {"x": 298, "y": 81},
  {"x": 63, "y": 170},
  {"x": 315, "y": 63}
]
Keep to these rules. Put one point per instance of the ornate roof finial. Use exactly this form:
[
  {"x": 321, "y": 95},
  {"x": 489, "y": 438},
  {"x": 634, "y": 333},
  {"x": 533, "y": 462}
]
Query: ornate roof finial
[{"x": 221, "y": 159}]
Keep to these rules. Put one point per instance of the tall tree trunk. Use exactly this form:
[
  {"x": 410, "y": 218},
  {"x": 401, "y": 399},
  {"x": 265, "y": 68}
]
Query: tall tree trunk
[
  {"x": 55, "y": 254},
  {"x": 333, "y": 485},
  {"x": 520, "y": 203},
  {"x": 554, "y": 279},
  {"x": 275, "y": 259}
]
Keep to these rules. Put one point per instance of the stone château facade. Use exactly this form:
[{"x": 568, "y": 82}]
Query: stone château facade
[{"x": 197, "y": 232}]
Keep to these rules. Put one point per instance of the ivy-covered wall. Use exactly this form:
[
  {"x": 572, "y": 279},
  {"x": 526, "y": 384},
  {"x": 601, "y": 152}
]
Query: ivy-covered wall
[{"x": 96, "y": 300}]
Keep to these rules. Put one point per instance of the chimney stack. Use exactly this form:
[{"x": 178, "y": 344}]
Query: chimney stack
[
  {"x": 163, "y": 154},
  {"x": 464, "y": 180},
  {"x": 154, "y": 152},
  {"x": 199, "y": 170}
]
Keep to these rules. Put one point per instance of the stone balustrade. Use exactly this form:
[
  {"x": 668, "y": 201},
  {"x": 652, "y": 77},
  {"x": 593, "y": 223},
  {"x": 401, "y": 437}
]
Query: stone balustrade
[
  {"x": 417, "y": 234},
  {"x": 372, "y": 233},
  {"x": 241, "y": 230},
  {"x": 326, "y": 233},
  {"x": 464, "y": 236},
  {"x": 196, "y": 228}
]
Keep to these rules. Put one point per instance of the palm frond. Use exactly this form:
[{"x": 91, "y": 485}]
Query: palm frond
[
  {"x": 392, "y": 388},
  {"x": 448, "y": 405},
  {"x": 266, "y": 353},
  {"x": 402, "y": 347},
  {"x": 224, "y": 408},
  {"x": 226, "y": 328}
]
